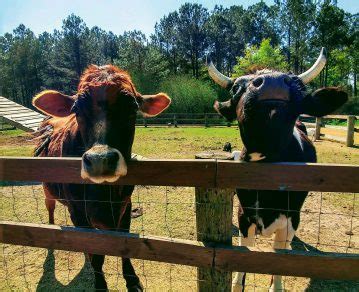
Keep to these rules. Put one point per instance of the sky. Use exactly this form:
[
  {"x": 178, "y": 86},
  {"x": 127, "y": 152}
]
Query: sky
[{"x": 115, "y": 15}]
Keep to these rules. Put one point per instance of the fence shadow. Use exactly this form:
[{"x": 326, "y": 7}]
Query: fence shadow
[
  {"x": 82, "y": 282},
  {"x": 323, "y": 285}
]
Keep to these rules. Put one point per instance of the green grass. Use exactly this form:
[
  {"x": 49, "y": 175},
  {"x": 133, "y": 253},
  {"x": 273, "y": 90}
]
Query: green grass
[{"x": 338, "y": 122}]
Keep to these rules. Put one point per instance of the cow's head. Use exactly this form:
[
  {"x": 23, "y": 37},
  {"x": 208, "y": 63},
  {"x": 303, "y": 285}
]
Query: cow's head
[
  {"x": 105, "y": 108},
  {"x": 268, "y": 103}
]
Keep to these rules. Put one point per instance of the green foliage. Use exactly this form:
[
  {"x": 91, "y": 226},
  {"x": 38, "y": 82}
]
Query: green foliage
[
  {"x": 264, "y": 56},
  {"x": 351, "y": 107},
  {"x": 146, "y": 64},
  {"x": 238, "y": 39},
  {"x": 189, "y": 95}
]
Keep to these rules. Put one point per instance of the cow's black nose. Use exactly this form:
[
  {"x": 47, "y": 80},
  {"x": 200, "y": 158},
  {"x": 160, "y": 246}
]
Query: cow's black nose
[
  {"x": 112, "y": 159},
  {"x": 257, "y": 82},
  {"x": 87, "y": 159}
]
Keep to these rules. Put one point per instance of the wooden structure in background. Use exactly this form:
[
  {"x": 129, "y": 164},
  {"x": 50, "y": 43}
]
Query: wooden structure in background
[
  {"x": 348, "y": 132},
  {"x": 19, "y": 116}
]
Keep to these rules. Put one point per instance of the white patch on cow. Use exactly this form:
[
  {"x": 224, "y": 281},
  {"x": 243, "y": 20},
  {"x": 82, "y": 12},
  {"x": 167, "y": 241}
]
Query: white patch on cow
[
  {"x": 282, "y": 239},
  {"x": 243, "y": 241},
  {"x": 255, "y": 156},
  {"x": 121, "y": 170},
  {"x": 279, "y": 223},
  {"x": 297, "y": 136}
]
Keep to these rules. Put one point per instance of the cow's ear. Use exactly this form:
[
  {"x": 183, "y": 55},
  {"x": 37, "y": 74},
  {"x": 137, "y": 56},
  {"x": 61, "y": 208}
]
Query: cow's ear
[
  {"x": 152, "y": 105},
  {"x": 324, "y": 101},
  {"x": 53, "y": 103},
  {"x": 226, "y": 109}
]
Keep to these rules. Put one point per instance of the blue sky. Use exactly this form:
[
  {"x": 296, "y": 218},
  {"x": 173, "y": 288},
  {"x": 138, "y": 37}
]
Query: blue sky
[{"x": 115, "y": 15}]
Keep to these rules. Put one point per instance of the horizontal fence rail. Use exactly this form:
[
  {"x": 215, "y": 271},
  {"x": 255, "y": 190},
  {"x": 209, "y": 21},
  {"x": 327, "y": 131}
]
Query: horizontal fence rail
[
  {"x": 209, "y": 173},
  {"x": 185, "y": 252},
  {"x": 212, "y": 179}
]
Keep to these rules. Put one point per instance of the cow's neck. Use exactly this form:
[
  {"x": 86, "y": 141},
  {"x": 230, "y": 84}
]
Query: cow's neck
[{"x": 299, "y": 149}]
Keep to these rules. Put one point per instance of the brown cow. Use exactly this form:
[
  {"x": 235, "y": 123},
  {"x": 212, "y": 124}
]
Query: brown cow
[{"x": 98, "y": 124}]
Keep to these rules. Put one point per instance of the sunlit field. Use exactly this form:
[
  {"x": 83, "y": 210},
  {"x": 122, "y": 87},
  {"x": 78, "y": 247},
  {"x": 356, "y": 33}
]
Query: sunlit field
[{"x": 329, "y": 221}]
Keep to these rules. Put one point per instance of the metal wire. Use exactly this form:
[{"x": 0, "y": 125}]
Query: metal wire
[{"x": 162, "y": 208}]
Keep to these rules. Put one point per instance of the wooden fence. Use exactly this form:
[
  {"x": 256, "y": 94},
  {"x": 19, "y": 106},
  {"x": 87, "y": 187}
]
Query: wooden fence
[
  {"x": 348, "y": 131},
  {"x": 214, "y": 119},
  {"x": 217, "y": 257}
]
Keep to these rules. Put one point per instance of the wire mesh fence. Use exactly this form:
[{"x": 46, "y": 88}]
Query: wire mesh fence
[{"x": 329, "y": 222}]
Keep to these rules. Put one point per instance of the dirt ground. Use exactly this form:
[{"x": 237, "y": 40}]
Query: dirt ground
[{"x": 329, "y": 222}]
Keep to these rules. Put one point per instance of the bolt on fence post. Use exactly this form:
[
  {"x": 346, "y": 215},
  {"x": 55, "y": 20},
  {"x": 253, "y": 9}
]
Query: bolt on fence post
[
  {"x": 318, "y": 124},
  {"x": 214, "y": 226},
  {"x": 350, "y": 131}
]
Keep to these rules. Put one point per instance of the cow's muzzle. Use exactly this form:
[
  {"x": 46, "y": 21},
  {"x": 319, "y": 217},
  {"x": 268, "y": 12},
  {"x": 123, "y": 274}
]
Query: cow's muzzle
[{"x": 102, "y": 163}]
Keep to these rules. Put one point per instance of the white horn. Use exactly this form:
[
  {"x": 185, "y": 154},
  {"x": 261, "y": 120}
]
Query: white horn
[
  {"x": 218, "y": 77},
  {"x": 315, "y": 70}
]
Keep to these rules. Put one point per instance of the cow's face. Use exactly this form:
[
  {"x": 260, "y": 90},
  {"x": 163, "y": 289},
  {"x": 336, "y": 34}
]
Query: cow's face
[
  {"x": 105, "y": 109},
  {"x": 267, "y": 105}
]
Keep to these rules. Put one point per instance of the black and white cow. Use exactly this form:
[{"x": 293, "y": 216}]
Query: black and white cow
[{"x": 267, "y": 105}]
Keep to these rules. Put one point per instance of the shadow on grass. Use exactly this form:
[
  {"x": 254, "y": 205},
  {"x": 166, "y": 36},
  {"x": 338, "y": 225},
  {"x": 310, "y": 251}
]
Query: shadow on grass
[
  {"x": 323, "y": 285},
  {"x": 83, "y": 281},
  {"x": 18, "y": 183}
]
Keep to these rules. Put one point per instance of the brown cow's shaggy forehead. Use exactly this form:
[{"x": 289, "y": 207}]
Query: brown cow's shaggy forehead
[{"x": 106, "y": 80}]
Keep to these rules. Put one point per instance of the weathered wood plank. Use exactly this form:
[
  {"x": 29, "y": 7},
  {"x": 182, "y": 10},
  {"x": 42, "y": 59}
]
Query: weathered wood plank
[
  {"x": 146, "y": 172},
  {"x": 17, "y": 124},
  {"x": 350, "y": 131},
  {"x": 21, "y": 115},
  {"x": 12, "y": 111},
  {"x": 203, "y": 173},
  {"x": 15, "y": 106},
  {"x": 288, "y": 176},
  {"x": 280, "y": 262},
  {"x": 321, "y": 265},
  {"x": 107, "y": 243},
  {"x": 33, "y": 121}
]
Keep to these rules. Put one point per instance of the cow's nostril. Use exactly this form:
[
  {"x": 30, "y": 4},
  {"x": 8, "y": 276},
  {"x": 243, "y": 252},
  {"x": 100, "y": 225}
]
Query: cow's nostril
[
  {"x": 257, "y": 82},
  {"x": 112, "y": 158},
  {"x": 87, "y": 160}
]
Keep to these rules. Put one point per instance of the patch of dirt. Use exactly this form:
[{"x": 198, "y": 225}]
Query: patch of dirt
[{"x": 18, "y": 140}]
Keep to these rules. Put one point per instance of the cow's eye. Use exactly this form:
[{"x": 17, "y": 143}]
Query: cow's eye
[{"x": 235, "y": 88}]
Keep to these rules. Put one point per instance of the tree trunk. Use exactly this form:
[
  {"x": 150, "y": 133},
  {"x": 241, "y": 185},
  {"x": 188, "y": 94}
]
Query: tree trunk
[
  {"x": 355, "y": 84},
  {"x": 289, "y": 44}
]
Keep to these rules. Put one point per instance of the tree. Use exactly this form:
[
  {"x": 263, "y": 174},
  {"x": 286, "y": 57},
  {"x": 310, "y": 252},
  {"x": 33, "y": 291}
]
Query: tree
[
  {"x": 166, "y": 39},
  {"x": 145, "y": 63},
  {"x": 220, "y": 36},
  {"x": 296, "y": 18},
  {"x": 264, "y": 56},
  {"x": 331, "y": 32},
  {"x": 191, "y": 34}
]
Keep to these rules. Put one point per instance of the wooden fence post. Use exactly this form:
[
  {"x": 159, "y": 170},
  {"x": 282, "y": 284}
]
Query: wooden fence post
[
  {"x": 318, "y": 124},
  {"x": 175, "y": 121},
  {"x": 214, "y": 225},
  {"x": 206, "y": 121},
  {"x": 350, "y": 131},
  {"x": 145, "y": 122}
]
